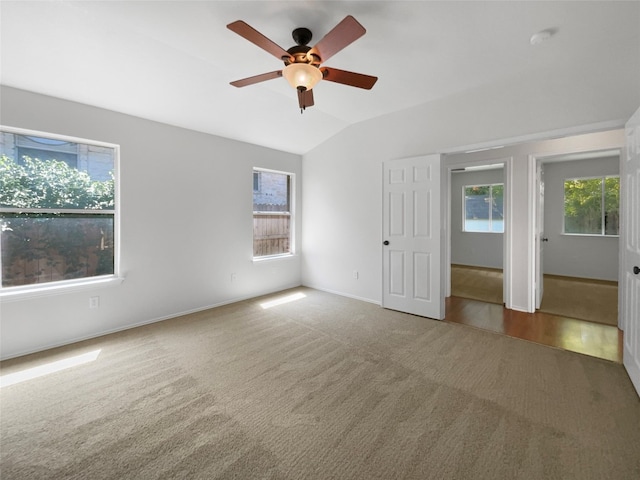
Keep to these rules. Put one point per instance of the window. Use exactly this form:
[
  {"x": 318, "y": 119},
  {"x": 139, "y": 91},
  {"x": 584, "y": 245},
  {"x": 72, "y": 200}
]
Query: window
[
  {"x": 272, "y": 213},
  {"x": 45, "y": 149},
  {"x": 57, "y": 209},
  {"x": 483, "y": 208},
  {"x": 591, "y": 206}
]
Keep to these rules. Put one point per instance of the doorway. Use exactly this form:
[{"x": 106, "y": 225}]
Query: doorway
[
  {"x": 577, "y": 243},
  {"x": 520, "y": 250},
  {"x": 477, "y": 232}
]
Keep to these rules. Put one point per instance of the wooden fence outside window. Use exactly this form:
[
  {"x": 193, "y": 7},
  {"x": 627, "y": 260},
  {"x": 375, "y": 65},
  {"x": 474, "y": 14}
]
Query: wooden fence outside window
[{"x": 271, "y": 234}]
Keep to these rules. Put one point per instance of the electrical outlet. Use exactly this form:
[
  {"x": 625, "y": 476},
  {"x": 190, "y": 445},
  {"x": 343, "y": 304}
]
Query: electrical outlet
[
  {"x": 356, "y": 275},
  {"x": 233, "y": 277},
  {"x": 94, "y": 302}
]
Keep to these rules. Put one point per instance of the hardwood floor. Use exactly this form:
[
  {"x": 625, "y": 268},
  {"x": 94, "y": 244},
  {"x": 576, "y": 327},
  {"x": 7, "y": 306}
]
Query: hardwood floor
[{"x": 588, "y": 338}]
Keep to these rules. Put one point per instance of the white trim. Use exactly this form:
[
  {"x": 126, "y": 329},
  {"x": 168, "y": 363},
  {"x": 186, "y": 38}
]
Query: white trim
[
  {"x": 54, "y": 288},
  {"x": 631, "y": 367},
  {"x": 507, "y": 239},
  {"x": 532, "y": 250},
  {"x": 536, "y": 137},
  {"x": 553, "y": 156},
  {"x": 27, "y": 292},
  {"x": 291, "y": 213},
  {"x": 464, "y": 205},
  {"x": 142, "y": 323},
  {"x": 56, "y": 136},
  {"x": 278, "y": 256},
  {"x": 448, "y": 170},
  {"x": 603, "y": 197},
  {"x": 72, "y": 211},
  {"x": 342, "y": 294}
]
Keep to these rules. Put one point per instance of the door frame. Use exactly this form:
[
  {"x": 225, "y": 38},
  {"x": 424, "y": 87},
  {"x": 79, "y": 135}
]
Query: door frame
[
  {"x": 520, "y": 158},
  {"x": 447, "y": 169},
  {"x": 535, "y": 161}
]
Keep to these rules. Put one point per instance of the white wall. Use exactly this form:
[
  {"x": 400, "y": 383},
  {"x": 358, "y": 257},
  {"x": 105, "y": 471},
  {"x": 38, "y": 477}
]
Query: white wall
[
  {"x": 167, "y": 188},
  {"x": 478, "y": 249},
  {"x": 570, "y": 255},
  {"x": 186, "y": 225},
  {"x": 343, "y": 177}
]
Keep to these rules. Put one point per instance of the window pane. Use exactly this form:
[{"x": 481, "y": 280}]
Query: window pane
[
  {"x": 41, "y": 248},
  {"x": 70, "y": 159},
  {"x": 477, "y": 208},
  {"x": 50, "y": 191},
  {"x": 271, "y": 234},
  {"x": 271, "y": 213},
  {"x": 497, "y": 208},
  {"x": 612, "y": 206},
  {"x": 36, "y": 183},
  {"x": 273, "y": 192},
  {"x": 583, "y": 206}
]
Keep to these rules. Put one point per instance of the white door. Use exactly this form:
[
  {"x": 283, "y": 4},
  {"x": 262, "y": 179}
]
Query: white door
[
  {"x": 630, "y": 246},
  {"x": 412, "y": 245},
  {"x": 540, "y": 238}
]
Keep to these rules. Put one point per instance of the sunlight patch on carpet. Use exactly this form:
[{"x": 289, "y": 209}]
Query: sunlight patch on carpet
[
  {"x": 48, "y": 368},
  {"x": 282, "y": 300}
]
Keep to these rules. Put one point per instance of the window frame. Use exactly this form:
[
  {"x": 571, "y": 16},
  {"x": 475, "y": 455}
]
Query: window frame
[
  {"x": 464, "y": 207},
  {"x": 603, "y": 226},
  {"x": 21, "y": 292},
  {"x": 290, "y": 213}
]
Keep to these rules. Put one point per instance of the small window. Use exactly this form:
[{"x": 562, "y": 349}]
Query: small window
[
  {"x": 591, "y": 206},
  {"x": 272, "y": 213},
  {"x": 483, "y": 208},
  {"x": 57, "y": 220}
]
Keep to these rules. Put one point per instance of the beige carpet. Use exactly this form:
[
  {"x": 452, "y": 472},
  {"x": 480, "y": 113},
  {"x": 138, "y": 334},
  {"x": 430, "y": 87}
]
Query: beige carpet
[
  {"x": 477, "y": 283},
  {"x": 324, "y": 387},
  {"x": 584, "y": 299},
  {"x": 593, "y": 300}
]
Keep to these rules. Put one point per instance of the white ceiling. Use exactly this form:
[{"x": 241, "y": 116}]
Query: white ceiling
[{"x": 172, "y": 61}]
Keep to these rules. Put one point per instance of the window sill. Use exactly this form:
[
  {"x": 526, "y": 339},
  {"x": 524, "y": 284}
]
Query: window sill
[
  {"x": 14, "y": 294},
  {"x": 273, "y": 257},
  {"x": 590, "y": 235}
]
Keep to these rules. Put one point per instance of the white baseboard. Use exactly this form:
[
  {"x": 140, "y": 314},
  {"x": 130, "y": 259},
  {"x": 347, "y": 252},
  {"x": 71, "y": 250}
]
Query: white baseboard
[{"x": 142, "y": 323}]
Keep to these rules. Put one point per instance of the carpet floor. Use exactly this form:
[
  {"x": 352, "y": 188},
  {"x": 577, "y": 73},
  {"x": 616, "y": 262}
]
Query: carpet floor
[
  {"x": 321, "y": 387},
  {"x": 593, "y": 300},
  {"x": 584, "y": 299},
  {"x": 477, "y": 283}
]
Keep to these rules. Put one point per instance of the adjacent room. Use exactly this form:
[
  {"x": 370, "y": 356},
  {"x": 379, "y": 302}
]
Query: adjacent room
[{"x": 222, "y": 257}]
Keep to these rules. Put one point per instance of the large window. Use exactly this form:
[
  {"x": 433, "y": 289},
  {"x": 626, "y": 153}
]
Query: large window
[
  {"x": 591, "y": 206},
  {"x": 57, "y": 209},
  {"x": 272, "y": 213},
  {"x": 483, "y": 208}
]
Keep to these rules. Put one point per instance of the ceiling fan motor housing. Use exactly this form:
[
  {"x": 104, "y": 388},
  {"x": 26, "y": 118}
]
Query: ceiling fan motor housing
[{"x": 302, "y": 36}]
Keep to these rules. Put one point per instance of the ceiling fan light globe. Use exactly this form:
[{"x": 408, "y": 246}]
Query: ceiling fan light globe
[{"x": 302, "y": 75}]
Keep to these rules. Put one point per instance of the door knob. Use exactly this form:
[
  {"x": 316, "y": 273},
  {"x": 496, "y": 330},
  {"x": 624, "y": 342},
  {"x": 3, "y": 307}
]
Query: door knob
[
  {"x": 545, "y": 239},
  {"x": 386, "y": 242},
  {"x": 636, "y": 270}
]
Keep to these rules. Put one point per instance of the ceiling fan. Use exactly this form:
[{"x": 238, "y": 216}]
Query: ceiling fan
[{"x": 302, "y": 63}]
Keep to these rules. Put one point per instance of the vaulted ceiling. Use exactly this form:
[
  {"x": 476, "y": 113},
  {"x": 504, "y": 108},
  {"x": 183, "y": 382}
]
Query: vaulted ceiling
[{"x": 172, "y": 61}]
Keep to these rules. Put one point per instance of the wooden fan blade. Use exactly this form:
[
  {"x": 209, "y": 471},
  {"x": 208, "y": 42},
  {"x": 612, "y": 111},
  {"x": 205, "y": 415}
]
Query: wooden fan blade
[
  {"x": 305, "y": 98},
  {"x": 343, "y": 34},
  {"x": 348, "y": 78},
  {"x": 257, "y": 79},
  {"x": 248, "y": 32}
]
